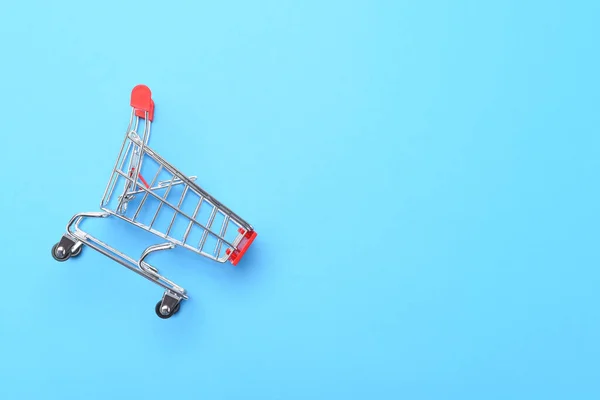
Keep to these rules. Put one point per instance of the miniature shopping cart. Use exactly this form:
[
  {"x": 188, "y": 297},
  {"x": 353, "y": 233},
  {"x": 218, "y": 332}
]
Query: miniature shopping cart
[{"x": 150, "y": 193}]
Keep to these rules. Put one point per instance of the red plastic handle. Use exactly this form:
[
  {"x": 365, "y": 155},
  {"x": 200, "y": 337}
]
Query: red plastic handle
[{"x": 141, "y": 98}]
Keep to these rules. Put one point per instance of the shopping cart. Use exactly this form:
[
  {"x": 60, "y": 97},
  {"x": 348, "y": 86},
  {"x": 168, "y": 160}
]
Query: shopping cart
[{"x": 150, "y": 193}]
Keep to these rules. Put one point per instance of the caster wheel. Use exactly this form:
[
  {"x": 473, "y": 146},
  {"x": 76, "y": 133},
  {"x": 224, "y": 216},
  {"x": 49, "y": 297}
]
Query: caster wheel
[
  {"x": 161, "y": 315},
  {"x": 77, "y": 252},
  {"x": 59, "y": 253}
]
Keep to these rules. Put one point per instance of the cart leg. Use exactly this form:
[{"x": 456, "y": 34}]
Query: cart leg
[
  {"x": 66, "y": 248},
  {"x": 168, "y": 305}
]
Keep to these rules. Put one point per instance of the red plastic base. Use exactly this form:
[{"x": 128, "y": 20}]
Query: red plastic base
[{"x": 242, "y": 247}]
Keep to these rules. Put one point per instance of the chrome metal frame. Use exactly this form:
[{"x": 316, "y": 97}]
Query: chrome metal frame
[{"x": 128, "y": 166}]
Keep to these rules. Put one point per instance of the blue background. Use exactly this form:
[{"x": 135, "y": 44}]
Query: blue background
[{"x": 423, "y": 177}]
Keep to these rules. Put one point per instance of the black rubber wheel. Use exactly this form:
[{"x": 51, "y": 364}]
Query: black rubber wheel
[
  {"x": 77, "y": 252},
  {"x": 58, "y": 258},
  {"x": 160, "y": 315}
]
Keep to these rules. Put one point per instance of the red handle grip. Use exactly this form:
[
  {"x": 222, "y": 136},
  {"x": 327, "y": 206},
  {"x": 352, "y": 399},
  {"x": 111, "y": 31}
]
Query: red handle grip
[{"x": 141, "y": 100}]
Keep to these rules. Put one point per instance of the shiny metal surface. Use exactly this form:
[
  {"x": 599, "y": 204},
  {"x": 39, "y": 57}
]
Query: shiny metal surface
[{"x": 127, "y": 184}]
